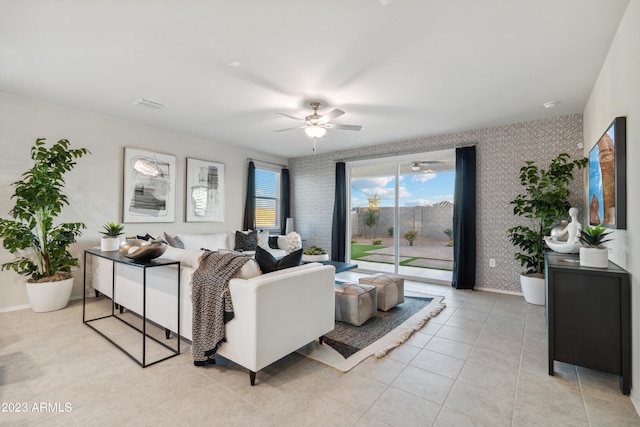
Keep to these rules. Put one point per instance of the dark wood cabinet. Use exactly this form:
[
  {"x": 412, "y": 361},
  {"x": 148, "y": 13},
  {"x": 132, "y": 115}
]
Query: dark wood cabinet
[{"x": 588, "y": 316}]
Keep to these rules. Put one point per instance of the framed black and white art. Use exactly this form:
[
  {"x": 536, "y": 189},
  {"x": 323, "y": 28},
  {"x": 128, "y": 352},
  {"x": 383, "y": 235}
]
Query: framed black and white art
[
  {"x": 204, "y": 196},
  {"x": 149, "y": 186}
]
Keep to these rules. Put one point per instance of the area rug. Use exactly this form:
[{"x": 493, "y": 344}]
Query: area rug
[{"x": 348, "y": 345}]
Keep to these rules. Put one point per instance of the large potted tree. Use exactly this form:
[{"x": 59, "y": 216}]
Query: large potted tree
[
  {"x": 41, "y": 246},
  {"x": 543, "y": 202}
]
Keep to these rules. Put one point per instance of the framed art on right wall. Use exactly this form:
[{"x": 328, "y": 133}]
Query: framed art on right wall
[{"x": 608, "y": 177}]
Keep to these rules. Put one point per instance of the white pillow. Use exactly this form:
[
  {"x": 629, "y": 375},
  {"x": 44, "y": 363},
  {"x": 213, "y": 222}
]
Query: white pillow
[
  {"x": 187, "y": 257},
  {"x": 263, "y": 239}
]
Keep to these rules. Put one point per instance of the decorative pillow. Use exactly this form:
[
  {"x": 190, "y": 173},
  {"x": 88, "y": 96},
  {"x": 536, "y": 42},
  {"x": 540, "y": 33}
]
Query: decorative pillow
[
  {"x": 273, "y": 242},
  {"x": 246, "y": 241},
  {"x": 294, "y": 242},
  {"x": 263, "y": 239},
  {"x": 249, "y": 270},
  {"x": 268, "y": 263},
  {"x": 173, "y": 241}
]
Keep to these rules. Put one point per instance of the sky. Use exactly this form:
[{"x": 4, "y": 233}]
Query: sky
[{"x": 415, "y": 190}]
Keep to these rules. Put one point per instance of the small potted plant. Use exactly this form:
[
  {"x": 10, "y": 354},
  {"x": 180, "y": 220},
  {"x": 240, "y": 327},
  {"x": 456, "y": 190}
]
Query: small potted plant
[
  {"x": 111, "y": 240},
  {"x": 593, "y": 253},
  {"x": 41, "y": 246},
  {"x": 314, "y": 254}
]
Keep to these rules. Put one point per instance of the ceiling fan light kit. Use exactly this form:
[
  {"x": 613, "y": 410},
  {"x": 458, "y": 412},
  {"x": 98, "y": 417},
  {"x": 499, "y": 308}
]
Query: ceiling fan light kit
[{"x": 315, "y": 131}]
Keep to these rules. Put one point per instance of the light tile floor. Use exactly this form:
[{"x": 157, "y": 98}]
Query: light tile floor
[{"x": 481, "y": 362}]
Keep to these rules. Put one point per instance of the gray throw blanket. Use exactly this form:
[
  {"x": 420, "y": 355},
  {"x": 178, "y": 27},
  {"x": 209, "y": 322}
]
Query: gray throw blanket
[{"x": 211, "y": 300}]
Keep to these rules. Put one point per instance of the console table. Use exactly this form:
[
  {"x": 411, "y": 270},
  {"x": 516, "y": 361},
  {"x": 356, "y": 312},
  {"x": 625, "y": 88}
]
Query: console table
[
  {"x": 116, "y": 259},
  {"x": 588, "y": 316}
]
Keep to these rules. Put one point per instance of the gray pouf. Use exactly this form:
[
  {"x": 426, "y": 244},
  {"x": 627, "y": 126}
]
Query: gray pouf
[
  {"x": 390, "y": 289},
  {"x": 355, "y": 304}
]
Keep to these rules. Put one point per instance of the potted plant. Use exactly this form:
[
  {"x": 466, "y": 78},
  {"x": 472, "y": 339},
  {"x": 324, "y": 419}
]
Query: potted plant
[
  {"x": 543, "y": 202},
  {"x": 593, "y": 253},
  {"x": 40, "y": 245},
  {"x": 314, "y": 253},
  {"x": 111, "y": 240},
  {"x": 411, "y": 236}
]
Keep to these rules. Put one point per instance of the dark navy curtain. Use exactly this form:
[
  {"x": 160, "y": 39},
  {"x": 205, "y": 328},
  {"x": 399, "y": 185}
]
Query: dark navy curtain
[
  {"x": 464, "y": 220},
  {"x": 250, "y": 202},
  {"x": 339, "y": 233},
  {"x": 285, "y": 199}
]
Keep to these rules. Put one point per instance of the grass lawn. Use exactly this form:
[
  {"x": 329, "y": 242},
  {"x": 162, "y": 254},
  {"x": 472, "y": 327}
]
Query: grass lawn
[{"x": 358, "y": 251}]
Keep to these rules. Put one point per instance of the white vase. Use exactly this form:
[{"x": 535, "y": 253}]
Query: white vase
[
  {"x": 533, "y": 289},
  {"x": 594, "y": 257},
  {"x": 49, "y": 296},
  {"x": 108, "y": 244}
]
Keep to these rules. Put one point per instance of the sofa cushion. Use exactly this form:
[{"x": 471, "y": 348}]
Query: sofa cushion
[
  {"x": 268, "y": 263},
  {"x": 212, "y": 241},
  {"x": 249, "y": 270},
  {"x": 246, "y": 241},
  {"x": 187, "y": 257},
  {"x": 273, "y": 242}
]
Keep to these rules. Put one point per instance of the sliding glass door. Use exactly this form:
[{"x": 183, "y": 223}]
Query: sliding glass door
[{"x": 401, "y": 215}]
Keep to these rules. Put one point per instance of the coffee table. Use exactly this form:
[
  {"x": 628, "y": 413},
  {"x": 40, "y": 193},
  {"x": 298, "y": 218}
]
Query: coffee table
[{"x": 340, "y": 266}]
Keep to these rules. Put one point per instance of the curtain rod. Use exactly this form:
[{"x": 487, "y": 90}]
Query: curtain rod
[
  {"x": 269, "y": 163},
  {"x": 404, "y": 153}
]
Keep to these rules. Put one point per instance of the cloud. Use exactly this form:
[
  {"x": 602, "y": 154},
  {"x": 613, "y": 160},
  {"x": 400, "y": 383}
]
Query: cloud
[
  {"x": 370, "y": 186},
  {"x": 429, "y": 201},
  {"x": 423, "y": 177}
]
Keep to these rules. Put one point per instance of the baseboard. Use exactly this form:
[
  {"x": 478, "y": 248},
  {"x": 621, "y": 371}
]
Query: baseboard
[
  {"x": 25, "y": 306},
  {"x": 14, "y": 308},
  {"x": 499, "y": 291}
]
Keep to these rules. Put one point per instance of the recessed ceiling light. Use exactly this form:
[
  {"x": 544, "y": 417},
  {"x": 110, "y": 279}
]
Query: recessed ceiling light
[
  {"x": 142, "y": 102},
  {"x": 234, "y": 64},
  {"x": 550, "y": 104}
]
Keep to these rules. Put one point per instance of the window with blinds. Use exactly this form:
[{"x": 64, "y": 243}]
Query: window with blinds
[{"x": 267, "y": 199}]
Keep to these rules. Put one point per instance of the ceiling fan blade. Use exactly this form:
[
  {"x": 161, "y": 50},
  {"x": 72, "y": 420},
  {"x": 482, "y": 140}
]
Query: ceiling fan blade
[
  {"x": 331, "y": 115},
  {"x": 343, "y": 127},
  {"x": 297, "y": 127},
  {"x": 292, "y": 117}
]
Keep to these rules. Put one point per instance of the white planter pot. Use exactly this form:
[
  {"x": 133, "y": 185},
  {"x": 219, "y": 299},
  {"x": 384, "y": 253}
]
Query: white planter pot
[
  {"x": 108, "y": 244},
  {"x": 533, "y": 289},
  {"x": 594, "y": 257},
  {"x": 315, "y": 258},
  {"x": 49, "y": 296}
]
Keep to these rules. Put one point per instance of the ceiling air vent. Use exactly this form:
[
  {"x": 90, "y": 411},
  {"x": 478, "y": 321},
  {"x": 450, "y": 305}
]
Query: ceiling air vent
[{"x": 146, "y": 103}]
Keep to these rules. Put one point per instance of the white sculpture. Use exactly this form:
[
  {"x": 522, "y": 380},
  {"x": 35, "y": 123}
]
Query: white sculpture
[{"x": 572, "y": 230}]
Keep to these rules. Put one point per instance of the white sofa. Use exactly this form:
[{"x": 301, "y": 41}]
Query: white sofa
[{"x": 275, "y": 313}]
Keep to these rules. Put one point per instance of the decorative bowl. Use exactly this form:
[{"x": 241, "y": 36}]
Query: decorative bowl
[
  {"x": 562, "y": 247},
  {"x": 142, "y": 250}
]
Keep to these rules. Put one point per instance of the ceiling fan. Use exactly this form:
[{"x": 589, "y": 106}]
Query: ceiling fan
[
  {"x": 416, "y": 166},
  {"x": 316, "y": 125}
]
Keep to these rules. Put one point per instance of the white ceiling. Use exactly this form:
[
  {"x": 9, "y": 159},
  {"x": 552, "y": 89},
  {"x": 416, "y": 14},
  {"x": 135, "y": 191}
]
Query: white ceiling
[{"x": 409, "y": 69}]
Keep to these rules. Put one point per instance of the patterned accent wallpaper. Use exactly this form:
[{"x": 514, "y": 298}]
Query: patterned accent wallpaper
[{"x": 501, "y": 152}]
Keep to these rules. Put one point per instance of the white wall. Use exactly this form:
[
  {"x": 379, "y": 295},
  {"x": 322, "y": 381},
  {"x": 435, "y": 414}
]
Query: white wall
[
  {"x": 94, "y": 187},
  {"x": 617, "y": 93}
]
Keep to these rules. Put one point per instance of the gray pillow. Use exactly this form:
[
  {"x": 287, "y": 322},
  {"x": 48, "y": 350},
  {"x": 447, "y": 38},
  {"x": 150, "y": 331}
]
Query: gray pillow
[{"x": 174, "y": 241}]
